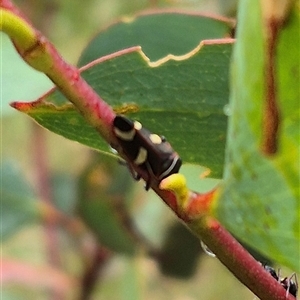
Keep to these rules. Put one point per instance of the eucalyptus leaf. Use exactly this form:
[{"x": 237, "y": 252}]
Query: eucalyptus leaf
[
  {"x": 260, "y": 202},
  {"x": 18, "y": 201}
]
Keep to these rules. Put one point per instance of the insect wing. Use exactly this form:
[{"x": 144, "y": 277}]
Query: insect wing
[
  {"x": 161, "y": 158},
  {"x": 145, "y": 149}
]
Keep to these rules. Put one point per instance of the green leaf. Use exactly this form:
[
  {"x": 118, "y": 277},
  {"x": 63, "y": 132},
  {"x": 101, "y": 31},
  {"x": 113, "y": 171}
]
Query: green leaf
[
  {"x": 261, "y": 202},
  {"x": 18, "y": 205},
  {"x": 183, "y": 100},
  {"x": 64, "y": 193},
  {"x": 159, "y": 34},
  {"x": 180, "y": 252},
  {"x": 104, "y": 190}
]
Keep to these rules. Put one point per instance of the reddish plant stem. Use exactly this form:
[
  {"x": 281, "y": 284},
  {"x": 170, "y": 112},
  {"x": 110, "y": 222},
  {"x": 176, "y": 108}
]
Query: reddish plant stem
[
  {"x": 41, "y": 55},
  {"x": 68, "y": 80},
  {"x": 40, "y": 159},
  {"x": 131, "y": 228},
  {"x": 232, "y": 254},
  {"x": 92, "y": 273},
  {"x": 271, "y": 110},
  {"x": 100, "y": 115}
]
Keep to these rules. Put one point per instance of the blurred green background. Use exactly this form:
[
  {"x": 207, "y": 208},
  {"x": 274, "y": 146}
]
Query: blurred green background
[{"x": 51, "y": 256}]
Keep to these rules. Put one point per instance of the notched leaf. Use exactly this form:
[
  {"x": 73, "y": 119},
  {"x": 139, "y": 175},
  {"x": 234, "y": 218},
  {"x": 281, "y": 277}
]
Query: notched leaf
[
  {"x": 159, "y": 33},
  {"x": 180, "y": 97},
  {"x": 40, "y": 106}
]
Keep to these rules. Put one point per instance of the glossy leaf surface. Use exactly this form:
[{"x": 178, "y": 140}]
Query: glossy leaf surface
[
  {"x": 260, "y": 202},
  {"x": 103, "y": 190},
  {"x": 18, "y": 202},
  {"x": 159, "y": 33},
  {"x": 182, "y": 98}
]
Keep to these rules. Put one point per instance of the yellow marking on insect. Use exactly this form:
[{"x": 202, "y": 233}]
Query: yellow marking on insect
[
  {"x": 124, "y": 135},
  {"x": 137, "y": 125},
  {"x": 177, "y": 184},
  {"x": 141, "y": 157},
  {"x": 155, "y": 139}
]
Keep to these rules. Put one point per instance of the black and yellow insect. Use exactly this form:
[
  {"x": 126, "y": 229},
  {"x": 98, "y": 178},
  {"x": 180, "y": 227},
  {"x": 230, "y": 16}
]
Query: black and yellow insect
[{"x": 149, "y": 151}]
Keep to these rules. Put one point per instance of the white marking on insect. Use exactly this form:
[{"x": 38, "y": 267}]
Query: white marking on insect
[
  {"x": 166, "y": 172},
  {"x": 125, "y": 135},
  {"x": 141, "y": 157},
  {"x": 137, "y": 125},
  {"x": 155, "y": 139}
]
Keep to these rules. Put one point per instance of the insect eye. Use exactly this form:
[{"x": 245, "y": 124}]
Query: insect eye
[
  {"x": 150, "y": 152},
  {"x": 123, "y": 124}
]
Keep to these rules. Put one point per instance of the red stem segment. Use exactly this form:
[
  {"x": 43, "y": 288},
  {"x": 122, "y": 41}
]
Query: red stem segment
[
  {"x": 271, "y": 110},
  {"x": 232, "y": 254},
  {"x": 41, "y": 55},
  {"x": 91, "y": 277},
  {"x": 100, "y": 115},
  {"x": 45, "y": 195}
]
